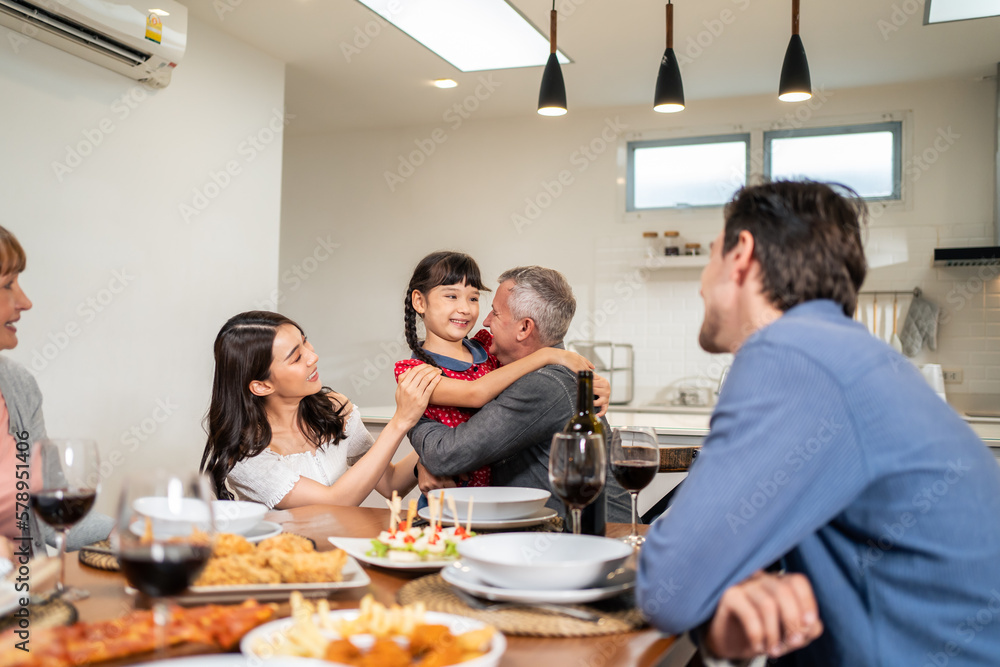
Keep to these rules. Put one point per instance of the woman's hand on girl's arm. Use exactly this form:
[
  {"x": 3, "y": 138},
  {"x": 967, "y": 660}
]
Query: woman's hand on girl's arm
[
  {"x": 413, "y": 393},
  {"x": 375, "y": 469}
]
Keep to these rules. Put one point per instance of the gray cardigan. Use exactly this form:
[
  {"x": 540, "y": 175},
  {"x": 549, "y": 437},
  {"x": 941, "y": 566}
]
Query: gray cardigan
[{"x": 24, "y": 404}]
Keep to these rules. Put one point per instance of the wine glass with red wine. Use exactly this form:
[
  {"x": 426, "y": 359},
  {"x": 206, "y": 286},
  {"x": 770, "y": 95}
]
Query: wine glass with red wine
[
  {"x": 577, "y": 467},
  {"x": 635, "y": 460},
  {"x": 164, "y": 535},
  {"x": 65, "y": 476}
]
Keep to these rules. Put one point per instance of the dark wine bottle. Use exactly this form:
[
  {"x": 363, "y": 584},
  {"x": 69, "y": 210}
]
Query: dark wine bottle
[{"x": 594, "y": 518}]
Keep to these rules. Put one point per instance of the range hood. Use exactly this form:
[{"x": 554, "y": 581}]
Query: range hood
[{"x": 989, "y": 255}]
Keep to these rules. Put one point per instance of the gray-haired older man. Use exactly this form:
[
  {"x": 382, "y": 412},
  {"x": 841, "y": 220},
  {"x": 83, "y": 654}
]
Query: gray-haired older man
[{"x": 532, "y": 309}]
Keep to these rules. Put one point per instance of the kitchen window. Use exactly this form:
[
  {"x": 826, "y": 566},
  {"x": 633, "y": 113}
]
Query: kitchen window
[
  {"x": 867, "y": 158},
  {"x": 687, "y": 172}
]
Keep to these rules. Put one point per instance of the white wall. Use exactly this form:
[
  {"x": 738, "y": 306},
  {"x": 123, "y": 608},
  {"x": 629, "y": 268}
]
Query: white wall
[
  {"x": 468, "y": 193},
  {"x": 128, "y": 294}
]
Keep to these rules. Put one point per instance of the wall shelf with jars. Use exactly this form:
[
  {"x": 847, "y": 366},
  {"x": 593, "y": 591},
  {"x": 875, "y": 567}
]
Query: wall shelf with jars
[
  {"x": 675, "y": 262},
  {"x": 670, "y": 252}
]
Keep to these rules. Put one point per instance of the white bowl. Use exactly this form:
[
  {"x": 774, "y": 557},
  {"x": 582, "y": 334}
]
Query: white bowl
[
  {"x": 177, "y": 517},
  {"x": 495, "y": 503},
  {"x": 551, "y": 561},
  {"x": 237, "y": 516},
  {"x": 257, "y": 644}
]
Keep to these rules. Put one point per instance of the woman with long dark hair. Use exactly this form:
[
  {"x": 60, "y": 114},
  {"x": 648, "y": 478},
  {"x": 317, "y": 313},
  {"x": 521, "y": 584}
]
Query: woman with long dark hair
[{"x": 277, "y": 436}]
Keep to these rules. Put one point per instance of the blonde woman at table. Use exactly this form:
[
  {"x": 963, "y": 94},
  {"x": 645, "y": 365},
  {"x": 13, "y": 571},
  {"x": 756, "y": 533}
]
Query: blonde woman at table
[
  {"x": 277, "y": 436},
  {"x": 21, "y": 420}
]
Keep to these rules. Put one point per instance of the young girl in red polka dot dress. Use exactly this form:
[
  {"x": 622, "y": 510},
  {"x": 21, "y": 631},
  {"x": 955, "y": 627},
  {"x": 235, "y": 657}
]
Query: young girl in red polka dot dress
[{"x": 444, "y": 292}]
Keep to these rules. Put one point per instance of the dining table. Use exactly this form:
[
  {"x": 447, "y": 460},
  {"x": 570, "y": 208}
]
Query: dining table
[{"x": 645, "y": 647}]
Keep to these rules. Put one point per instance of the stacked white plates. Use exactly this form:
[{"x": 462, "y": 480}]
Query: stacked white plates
[
  {"x": 542, "y": 567},
  {"x": 495, "y": 507}
]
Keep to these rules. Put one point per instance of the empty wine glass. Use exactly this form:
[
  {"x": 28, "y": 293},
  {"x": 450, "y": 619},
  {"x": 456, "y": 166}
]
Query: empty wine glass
[
  {"x": 164, "y": 534},
  {"x": 635, "y": 460},
  {"x": 65, "y": 477},
  {"x": 577, "y": 467}
]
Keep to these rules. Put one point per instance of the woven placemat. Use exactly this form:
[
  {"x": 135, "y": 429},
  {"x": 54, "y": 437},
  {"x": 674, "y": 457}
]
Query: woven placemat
[
  {"x": 617, "y": 615},
  {"x": 47, "y": 614},
  {"x": 97, "y": 560}
]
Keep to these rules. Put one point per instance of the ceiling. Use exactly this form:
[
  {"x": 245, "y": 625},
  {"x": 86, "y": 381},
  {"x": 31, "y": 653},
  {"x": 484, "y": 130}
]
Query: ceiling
[{"x": 340, "y": 77}]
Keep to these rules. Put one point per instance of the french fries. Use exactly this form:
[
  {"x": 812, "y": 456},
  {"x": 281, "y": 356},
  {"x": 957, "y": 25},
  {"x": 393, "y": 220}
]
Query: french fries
[{"x": 433, "y": 644}]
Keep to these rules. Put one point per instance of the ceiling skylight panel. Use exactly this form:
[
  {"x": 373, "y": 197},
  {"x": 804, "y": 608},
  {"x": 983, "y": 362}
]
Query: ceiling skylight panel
[
  {"x": 472, "y": 35},
  {"x": 942, "y": 11}
]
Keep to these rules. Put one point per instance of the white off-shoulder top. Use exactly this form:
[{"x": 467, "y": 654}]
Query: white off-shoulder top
[{"x": 269, "y": 476}]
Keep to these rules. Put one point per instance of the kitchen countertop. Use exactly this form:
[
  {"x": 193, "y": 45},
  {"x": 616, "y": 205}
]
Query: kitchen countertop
[{"x": 684, "y": 425}]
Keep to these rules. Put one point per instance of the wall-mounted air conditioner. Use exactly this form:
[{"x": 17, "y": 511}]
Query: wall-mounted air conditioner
[{"x": 143, "y": 41}]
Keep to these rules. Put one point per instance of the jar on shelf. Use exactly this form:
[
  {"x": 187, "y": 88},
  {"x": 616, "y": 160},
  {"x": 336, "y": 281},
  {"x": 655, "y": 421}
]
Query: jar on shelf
[
  {"x": 671, "y": 247},
  {"x": 692, "y": 249},
  {"x": 651, "y": 240}
]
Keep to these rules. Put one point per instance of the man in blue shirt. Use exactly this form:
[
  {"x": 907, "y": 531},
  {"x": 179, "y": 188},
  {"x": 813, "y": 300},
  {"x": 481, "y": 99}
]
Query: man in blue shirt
[{"x": 830, "y": 452}]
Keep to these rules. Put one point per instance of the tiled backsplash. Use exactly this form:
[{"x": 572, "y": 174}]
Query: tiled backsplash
[{"x": 659, "y": 311}]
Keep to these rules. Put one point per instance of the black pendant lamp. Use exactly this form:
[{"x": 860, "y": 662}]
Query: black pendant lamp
[
  {"x": 669, "y": 97},
  {"x": 795, "y": 85},
  {"x": 552, "y": 95}
]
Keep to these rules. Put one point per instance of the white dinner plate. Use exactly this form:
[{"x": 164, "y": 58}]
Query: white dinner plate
[
  {"x": 358, "y": 547},
  {"x": 462, "y": 577},
  {"x": 262, "y": 531},
  {"x": 353, "y": 577},
  {"x": 263, "y": 637},
  {"x": 541, "y": 516}
]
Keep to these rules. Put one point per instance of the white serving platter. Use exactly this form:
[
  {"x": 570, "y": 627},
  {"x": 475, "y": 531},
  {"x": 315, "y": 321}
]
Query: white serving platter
[
  {"x": 354, "y": 576},
  {"x": 358, "y": 547},
  {"x": 256, "y": 642}
]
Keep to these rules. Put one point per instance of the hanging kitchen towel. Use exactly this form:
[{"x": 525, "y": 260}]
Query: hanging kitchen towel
[{"x": 920, "y": 326}]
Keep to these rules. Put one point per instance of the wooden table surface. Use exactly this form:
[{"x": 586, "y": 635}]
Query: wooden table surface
[{"x": 644, "y": 648}]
